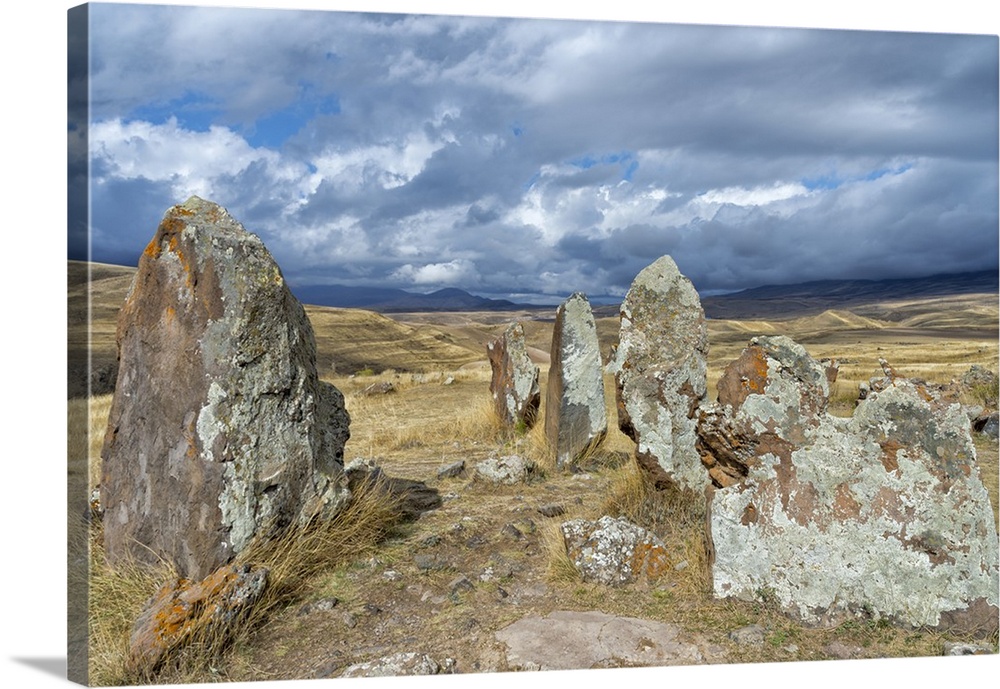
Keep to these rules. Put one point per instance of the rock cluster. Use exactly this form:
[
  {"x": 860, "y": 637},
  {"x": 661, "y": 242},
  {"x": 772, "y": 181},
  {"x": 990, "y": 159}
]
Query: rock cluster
[
  {"x": 575, "y": 414},
  {"x": 219, "y": 428},
  {"x": 514, "y": 385},
  {"x": 660, "y": 374},
  {"x": 882, "y": 514}
]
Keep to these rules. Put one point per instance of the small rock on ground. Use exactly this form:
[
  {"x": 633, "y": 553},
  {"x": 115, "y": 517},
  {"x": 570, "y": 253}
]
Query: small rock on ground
[
  {"x": 566, "y": 640},
  {"x": 960, "y": 649},
  {"x": 398, "y": 664},
  {"x": 752, "y": 635}
]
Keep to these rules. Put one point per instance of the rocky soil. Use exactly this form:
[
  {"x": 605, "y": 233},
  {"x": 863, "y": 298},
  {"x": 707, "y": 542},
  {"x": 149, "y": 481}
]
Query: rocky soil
[{"x": 478, "y": 585}]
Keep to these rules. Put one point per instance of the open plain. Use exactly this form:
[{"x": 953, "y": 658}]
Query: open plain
[{"x": 447, "y": 583}]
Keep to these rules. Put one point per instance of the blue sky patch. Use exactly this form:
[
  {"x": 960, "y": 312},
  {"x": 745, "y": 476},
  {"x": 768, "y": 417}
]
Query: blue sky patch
[
  {"x": 626, "y": 159},
  {"x": 274, "y": 129},
  {"x": 194, "y": 111},
  {"x": 833, "y": 180}
]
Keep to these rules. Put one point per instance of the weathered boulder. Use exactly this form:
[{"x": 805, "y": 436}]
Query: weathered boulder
[
  {"x": 614, "y": 551},
  {"x": 981, "y": 383},
  {"x": 506, "y": 470},
  {"x": 452, "y": 470},
  {"x": 376, "y": 389},
  {"x": 514, "y": 385},
  {"x": 660, "y": 374},
  {"x": 882, "y": 514},
  {"x": 183, "y": 611},
  {"x": 576, "y": 419},
  {"x": 219, "y": 428}
]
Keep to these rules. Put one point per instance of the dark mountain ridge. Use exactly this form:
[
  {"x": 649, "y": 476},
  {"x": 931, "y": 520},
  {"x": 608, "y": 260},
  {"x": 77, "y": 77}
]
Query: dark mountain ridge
[
  {"x": 807, "y": 298},
  {"x": 388, "y": 300}
]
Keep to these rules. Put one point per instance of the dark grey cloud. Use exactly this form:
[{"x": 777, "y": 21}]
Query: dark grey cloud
[{"x": 520, "y": 156}]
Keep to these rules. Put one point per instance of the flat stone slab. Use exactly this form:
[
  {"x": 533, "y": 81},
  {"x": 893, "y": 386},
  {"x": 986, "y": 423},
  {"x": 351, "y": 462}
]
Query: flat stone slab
[{"x": 569, "y": 640}]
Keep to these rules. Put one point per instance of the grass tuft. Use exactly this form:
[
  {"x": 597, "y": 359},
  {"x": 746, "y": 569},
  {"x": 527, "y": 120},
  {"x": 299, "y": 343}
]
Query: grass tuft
[{"x": 559, "y": 566}]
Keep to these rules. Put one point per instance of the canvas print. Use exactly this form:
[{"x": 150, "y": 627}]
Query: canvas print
[{"x": 412, "y": 344}]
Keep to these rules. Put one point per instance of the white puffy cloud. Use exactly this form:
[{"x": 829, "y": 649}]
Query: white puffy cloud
[{"x": 456, "y": 272}]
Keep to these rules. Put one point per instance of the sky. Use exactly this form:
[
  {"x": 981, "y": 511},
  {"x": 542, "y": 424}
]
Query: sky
[{"x": 531, "y": 158}]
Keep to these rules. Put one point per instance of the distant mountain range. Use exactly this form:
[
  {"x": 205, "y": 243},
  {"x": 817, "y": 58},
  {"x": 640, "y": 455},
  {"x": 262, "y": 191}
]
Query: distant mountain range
[
  {"x": 780, "y": 301},
  {"x": 387, "y": 300},
  {"x": 770, "y": 301}
]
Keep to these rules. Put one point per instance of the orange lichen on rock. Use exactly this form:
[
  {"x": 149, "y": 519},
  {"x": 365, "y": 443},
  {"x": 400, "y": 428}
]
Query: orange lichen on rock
[
  {"x": 649, "y": 562},
  {"x": 747, "y": 375},
  {"x": 183, "y": 610}
]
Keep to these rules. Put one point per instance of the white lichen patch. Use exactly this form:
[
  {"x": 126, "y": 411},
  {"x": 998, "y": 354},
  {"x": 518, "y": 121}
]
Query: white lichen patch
[{"x": 209, "y": 427}]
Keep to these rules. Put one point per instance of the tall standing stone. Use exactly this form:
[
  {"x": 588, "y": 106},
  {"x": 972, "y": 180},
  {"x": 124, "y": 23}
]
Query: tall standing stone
[
  {"x": 514, "y": 386},
  {"x": 660, "y": 373},
  {"x": 219, "y": 427},
  {"x": 575, "y": 417}
]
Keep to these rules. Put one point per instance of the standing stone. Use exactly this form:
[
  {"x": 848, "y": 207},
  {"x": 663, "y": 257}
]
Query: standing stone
[
  {"x": 219, "y": 427},
  {"x": 514, "y": 385},
  {"x": 576, "y": 420},
  {"x": 660, "y": 374},
  {"x": 882, "y": 514}
]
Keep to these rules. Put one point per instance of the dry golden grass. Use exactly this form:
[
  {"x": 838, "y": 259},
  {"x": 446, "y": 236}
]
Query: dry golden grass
[
  {"x": 352, "y": 340},
  {"x": 559, "y": 566},
  {"x": 293, "y": 561},
  {"x": 676, "y": 517},
  {"x": 116, "y": 598}
]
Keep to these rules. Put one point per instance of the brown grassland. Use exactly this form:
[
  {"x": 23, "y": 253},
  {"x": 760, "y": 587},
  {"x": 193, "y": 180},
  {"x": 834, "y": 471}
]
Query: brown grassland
[{"x": 388, "y": 599}]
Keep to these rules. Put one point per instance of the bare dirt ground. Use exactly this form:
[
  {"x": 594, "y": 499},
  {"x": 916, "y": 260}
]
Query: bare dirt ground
[{"x": 446, "y": 583}]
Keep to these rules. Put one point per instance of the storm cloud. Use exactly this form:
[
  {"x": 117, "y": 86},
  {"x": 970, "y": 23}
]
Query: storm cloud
[{"x": 541, "y": 157}]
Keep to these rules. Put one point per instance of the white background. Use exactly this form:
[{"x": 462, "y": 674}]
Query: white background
[{"x": 33, "y": 364}]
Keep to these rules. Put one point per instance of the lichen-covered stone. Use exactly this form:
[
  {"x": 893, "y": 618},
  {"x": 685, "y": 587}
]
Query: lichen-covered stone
[
  {"x": 514, "y": 385},
  {"x": 614, "y": 551},
  {"x": 773, "y": 394},
  {"x": 219, "y": 428},
  {"x": 183, "y": 610},
  {"x": 576, "y": 419},
  {"x": 882, "y": 515},
  {"x": 660, "y": 374},
  {"x": 399, "y": 664},
  {"x": 506, "y": 470}
]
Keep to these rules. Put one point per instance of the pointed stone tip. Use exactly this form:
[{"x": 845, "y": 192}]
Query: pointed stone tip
[
  {"x": 197, "y": 202},
  {"x": 665, "y": 263}
]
